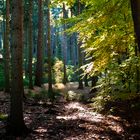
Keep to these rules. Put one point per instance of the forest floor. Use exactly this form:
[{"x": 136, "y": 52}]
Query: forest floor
[{"x": 73, "y": 120}]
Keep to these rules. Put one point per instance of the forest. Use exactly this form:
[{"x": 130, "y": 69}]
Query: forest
[{"x": 69, "y": 69}]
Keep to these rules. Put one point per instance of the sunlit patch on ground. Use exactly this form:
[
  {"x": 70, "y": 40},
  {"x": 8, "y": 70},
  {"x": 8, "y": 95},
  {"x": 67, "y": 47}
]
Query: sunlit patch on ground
[
  {"x": 81, "y": 113},
  {"x": 99, "y": 124},
  {"x": 41, "y": 130},
  {"x": 70, "y": 120}
]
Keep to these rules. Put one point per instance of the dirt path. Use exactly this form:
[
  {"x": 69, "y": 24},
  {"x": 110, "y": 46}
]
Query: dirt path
[
  {"x": 74, "y": 121},
  {"x": 70, "y": 121}
]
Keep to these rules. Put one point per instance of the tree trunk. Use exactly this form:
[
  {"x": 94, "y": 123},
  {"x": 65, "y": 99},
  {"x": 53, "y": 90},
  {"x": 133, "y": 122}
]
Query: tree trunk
[
  {"x": 16, "y": 124},
  {"x": 7, "y": 49},
  {"x": 39, "y": 65},
  {"x": 80, "y": 59},
  {"x": 30, "y": 44},
  {"x": 135, "y": 7},
  {"x": 94, "y": 80},
  {"x": 86, "y": 81},
  {"x": 50, "y": 89},
  {"x": 64, "y": 46}
]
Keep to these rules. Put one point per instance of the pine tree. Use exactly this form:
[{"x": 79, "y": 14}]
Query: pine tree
[
  {"x": 7, "y": 49},
  {"x": 30, "y": 44},
  {"x": 39, "y": 63},
  {"x": 135, "y": 7},
  {"x": 80, "y": 59},
  {"x": 16, "y": 124},
  {"x": 64, "y": 41},
  {"x": 50, "y": 89}
]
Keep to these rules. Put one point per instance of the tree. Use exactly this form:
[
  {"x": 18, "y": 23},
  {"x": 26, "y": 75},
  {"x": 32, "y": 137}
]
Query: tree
[
  {"x": 50, "y": 89},
  {"x": 80, "y": 59},
  {"x": 135, "y": 7},
  {"x": 64, "y": 45},
  {"x": 7, "y": 49},
  {"x": 39, "y": 63},
  {"x": 30, "y": 44},
  {"x": 16, "y": 124}
]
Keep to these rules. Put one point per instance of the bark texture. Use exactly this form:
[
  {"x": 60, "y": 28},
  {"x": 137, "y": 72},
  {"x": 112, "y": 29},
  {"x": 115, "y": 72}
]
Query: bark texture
[
  {"x": 16, "y": 124},
  {"x": 64, "y": 46},
  {"x": 7, "y": 49},
  {"x": 39, "y": 64},
  {"x": 80, "y": 59},
  {"x": 50, "y": 90},
  {"x": 135, "y": 7},
  {"x": 30, "y": 44}
]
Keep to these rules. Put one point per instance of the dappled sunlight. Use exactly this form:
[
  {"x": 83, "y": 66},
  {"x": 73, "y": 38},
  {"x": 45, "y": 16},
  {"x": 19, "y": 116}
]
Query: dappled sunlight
[
  {"x": 41, "y": 130},
  {"x": 60, "y": 86},
  {"x": 81, "y": 113},
  {"x": 75, "y": 105},
  {"x": 77, "y": 111}
]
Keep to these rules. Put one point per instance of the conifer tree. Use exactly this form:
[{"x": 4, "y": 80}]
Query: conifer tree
[
  {"x": 39, "y": 63},
  {"x": 7, "y": 48},
  {"x": 16, "y": 125}
]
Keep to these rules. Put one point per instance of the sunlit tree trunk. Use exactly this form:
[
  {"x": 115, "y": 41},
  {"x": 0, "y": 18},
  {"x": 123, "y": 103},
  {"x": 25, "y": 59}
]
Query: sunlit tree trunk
[
  {"x": 50, "y": 90},
  {"x": 135, "y": 7},
  {"x": 39, "y": 65},
  {"x": 7, "y": 49},
  {"x": 30, "y": 44},
  {"x": 16, "y": 124}
]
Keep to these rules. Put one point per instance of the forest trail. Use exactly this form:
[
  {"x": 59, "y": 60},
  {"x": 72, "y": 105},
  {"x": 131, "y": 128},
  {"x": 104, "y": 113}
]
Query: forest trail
[{"x": 69, "y": 120}]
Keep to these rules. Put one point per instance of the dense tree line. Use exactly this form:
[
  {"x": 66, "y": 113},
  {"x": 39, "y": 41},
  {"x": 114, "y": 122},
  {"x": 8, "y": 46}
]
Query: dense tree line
[{"x": 95, "y": 39}]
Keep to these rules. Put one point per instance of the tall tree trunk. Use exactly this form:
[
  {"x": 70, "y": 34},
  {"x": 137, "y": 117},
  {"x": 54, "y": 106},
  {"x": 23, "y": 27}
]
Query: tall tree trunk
[
  {"x": 64, "y": 46},
  {"x": 7, "y": 49},
  {"x": 50, "y": 89},
  {"x": 26, "y": 50},
  {"x": 80, "y": 59},
  {"x": 135, "y": 7},
  {"x": 16, "y": 124},
  {"x": 30, "y": 44},
  {"x": 39, "y": 65}
]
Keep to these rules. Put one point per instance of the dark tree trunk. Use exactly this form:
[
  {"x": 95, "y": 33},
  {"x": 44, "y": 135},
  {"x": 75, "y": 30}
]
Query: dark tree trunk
[
  {"x": 135, "y": 7},
  {"x": 30, "y": 44},
  {"x": 64, "y": 46},
  {"x": 39, "y": 65},
  {"x": 80, "y": 59},
  {"x": 7, "y": 49},
  {"x": 16, "y": 124},
  {"x": 86, "y": 81},
  {"x": 50, "y": 89},
  {"x": 94, "y": 80}
]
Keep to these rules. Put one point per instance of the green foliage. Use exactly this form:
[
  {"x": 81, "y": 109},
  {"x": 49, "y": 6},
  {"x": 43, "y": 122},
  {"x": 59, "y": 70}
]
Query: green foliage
[
  {"x": 71, "y": 96},
  {"x": 3, "y": 117},
  {"x": 71, "y": 73},
  {"x": 58, "y": 71},
  {"x": 43, "y": 94},
  {"x": 106, "y": 31}
]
